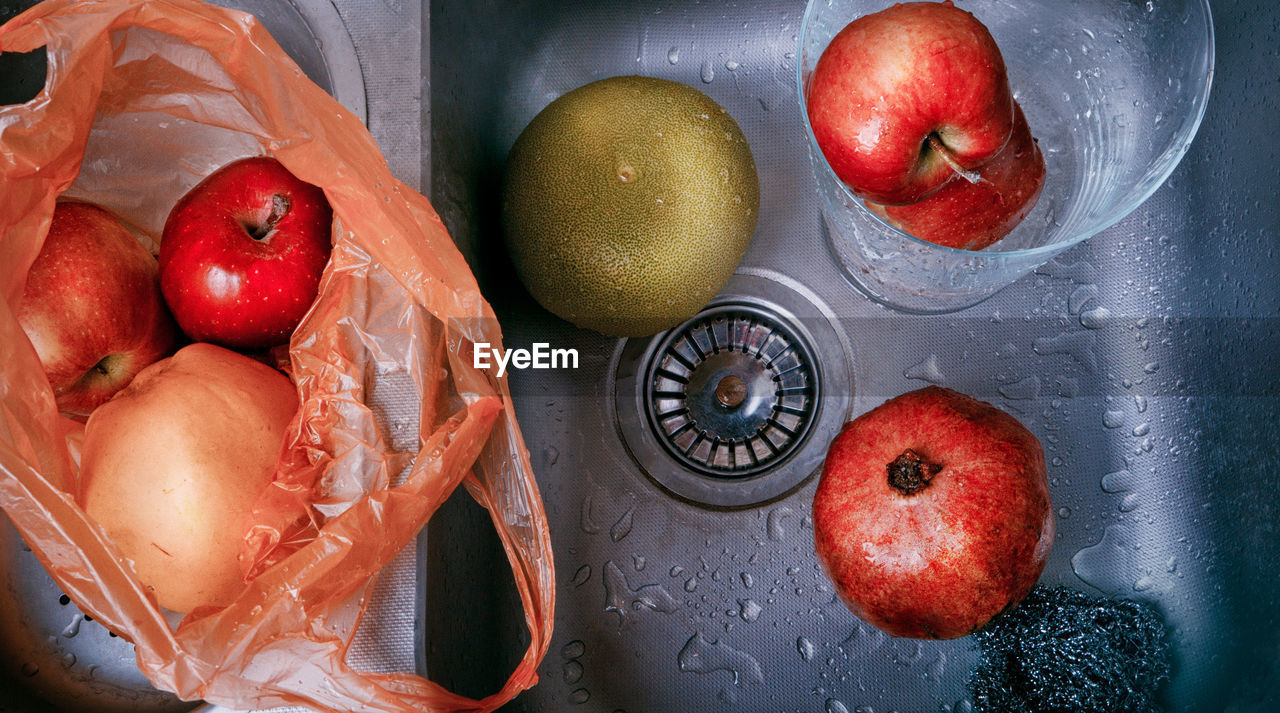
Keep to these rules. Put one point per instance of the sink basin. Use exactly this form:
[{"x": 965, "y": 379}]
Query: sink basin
[{"x": 1143, "y": 359}]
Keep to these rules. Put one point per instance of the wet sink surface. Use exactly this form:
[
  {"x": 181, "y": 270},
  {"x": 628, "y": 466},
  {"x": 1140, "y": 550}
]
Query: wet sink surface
[{"x": 1143, "y": 360}]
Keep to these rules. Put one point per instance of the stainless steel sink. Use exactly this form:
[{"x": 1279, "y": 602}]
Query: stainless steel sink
[{"x": 1143, "y": 359}]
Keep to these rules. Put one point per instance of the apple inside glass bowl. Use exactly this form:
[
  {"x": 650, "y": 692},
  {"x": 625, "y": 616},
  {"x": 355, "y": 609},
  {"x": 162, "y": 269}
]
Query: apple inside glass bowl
[{"x": 1113, "y": 94}]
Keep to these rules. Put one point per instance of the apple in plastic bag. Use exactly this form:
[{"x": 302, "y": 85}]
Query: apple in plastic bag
[
  {"x": 92, "y": 307},
  {"x": 242, "y": 254},
  {"x": 172, "y": 467},
  {"x": 932, "y": 514}
]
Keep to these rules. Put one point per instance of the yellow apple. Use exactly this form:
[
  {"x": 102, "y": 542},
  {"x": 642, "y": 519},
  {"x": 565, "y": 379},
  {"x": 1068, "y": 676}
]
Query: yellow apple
[{"x": 173, "y": 464}]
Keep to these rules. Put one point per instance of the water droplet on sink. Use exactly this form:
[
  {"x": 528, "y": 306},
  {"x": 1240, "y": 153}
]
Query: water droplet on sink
[
  {"x": 586, "y": 518},
  {"x": 926, "y": 370},
  {"x": 835, "y": 706},
  {"x": 553, "y": 455},
  {"x": 1078, "y": 272},
  {"x": 572, "y": 671},
  {"x": 806, "y": 649},
  {"x": 862, "y": 641},
  {"x": 934, "y": 670},
  {"x": 708, "y": 72},
  {"x": 703, "y": 655},
  {"x": 580, "y": 696},
  {"x": 1142, "y": 429},
  {"x": 677, "y": 570},
  {"x": 621, "y": 599},
  {"x": 748, "y": 610},
  {"x": 582, "y": 575},
  {"x": 1081, "y": 297},
  {"x": 638, "y": 562},
  {"x": 673, "y": 55},
  {"x": 73, "y": 628},
  {"x": 574, "y": 649},
  {"x": 1141, "y": 402},
  {"x": 690, "y": 584},
  {"x": 68, "y": 660},
  {"x": 1064, "y": 512},
  {"x": 1110, "y": 565},
  {"x": 1095, "y": 318},
  {"x": 1144, "y": 583},
  {"x": 731, "y": 66},
  {"x": 622, "y": 527},
  {"x": 1151, "y": 368},
  {"x": 773, "y": 524},
  {"x": 1079, "y": 345},
  {"x": 1121, "y": 481},
  {"x": 1112, "y": 418},
  {"x": 30, "y": 669},
  {"x": 747, "y": 580},
  {"x": 1021, "y": 390}
]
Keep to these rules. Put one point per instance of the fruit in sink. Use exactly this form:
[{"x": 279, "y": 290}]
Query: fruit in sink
[
  {"x": 915, "y": 99},
  {"x": 173, "y": 464},
  {"x": 932, "y": 514},
  {"x": 628, "y": 203},
  {"x": 92, "y": 307},
  {"x": 972, "y": 216},
  {"x": 242, "y": 253}
]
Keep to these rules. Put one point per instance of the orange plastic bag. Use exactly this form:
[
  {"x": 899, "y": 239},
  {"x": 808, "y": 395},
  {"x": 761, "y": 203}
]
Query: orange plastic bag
[{"x": 144, "y": 99}]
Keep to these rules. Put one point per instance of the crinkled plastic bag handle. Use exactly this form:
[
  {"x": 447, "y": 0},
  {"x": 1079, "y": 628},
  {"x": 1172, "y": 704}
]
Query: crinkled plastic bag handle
[{"x": 143, "y": 99}]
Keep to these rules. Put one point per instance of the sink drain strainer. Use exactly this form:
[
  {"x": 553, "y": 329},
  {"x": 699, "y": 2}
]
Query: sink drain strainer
[
  {"x": 732, "y": 392},
  {"x": 730, "y": 409}
]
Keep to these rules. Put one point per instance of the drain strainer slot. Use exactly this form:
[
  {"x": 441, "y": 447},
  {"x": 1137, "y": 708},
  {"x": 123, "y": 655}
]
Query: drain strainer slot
[
  {"x": 731, "y": 393},
  {"x": 733, "y": 408}
]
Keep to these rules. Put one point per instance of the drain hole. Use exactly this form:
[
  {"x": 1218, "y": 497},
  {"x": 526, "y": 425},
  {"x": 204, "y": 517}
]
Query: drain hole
[{"x": 731, "y": 393}]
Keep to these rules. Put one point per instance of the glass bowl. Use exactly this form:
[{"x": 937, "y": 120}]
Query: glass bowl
[{"x": 1114, "y": 93}]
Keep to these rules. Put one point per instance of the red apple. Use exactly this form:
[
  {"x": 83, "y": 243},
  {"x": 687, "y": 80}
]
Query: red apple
[
  {"x": 242, "y": 253},
  {"x": 92, "y": 307},
  {"x": 908, "y": 99},
  {"x": 974, "y": 215},
  {"x": 932, "y": 514}
]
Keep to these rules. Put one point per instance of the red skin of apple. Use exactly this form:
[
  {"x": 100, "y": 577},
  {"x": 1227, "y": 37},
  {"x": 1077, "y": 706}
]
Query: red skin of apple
[
  {"x": 942, "y": 561},
  {"x": 891, "y": 80},
  {"x": 242, "y": 254},
  {"x": 92, "y": 308},
  {"x": 972, "y": 216}
]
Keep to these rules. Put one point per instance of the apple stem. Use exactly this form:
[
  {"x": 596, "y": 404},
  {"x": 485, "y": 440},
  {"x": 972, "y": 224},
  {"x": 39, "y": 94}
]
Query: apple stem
[
  {"x": 910, "y": 473},
  {"x": 936, "y": 144},
  {"x": 279, "y": 209}
]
